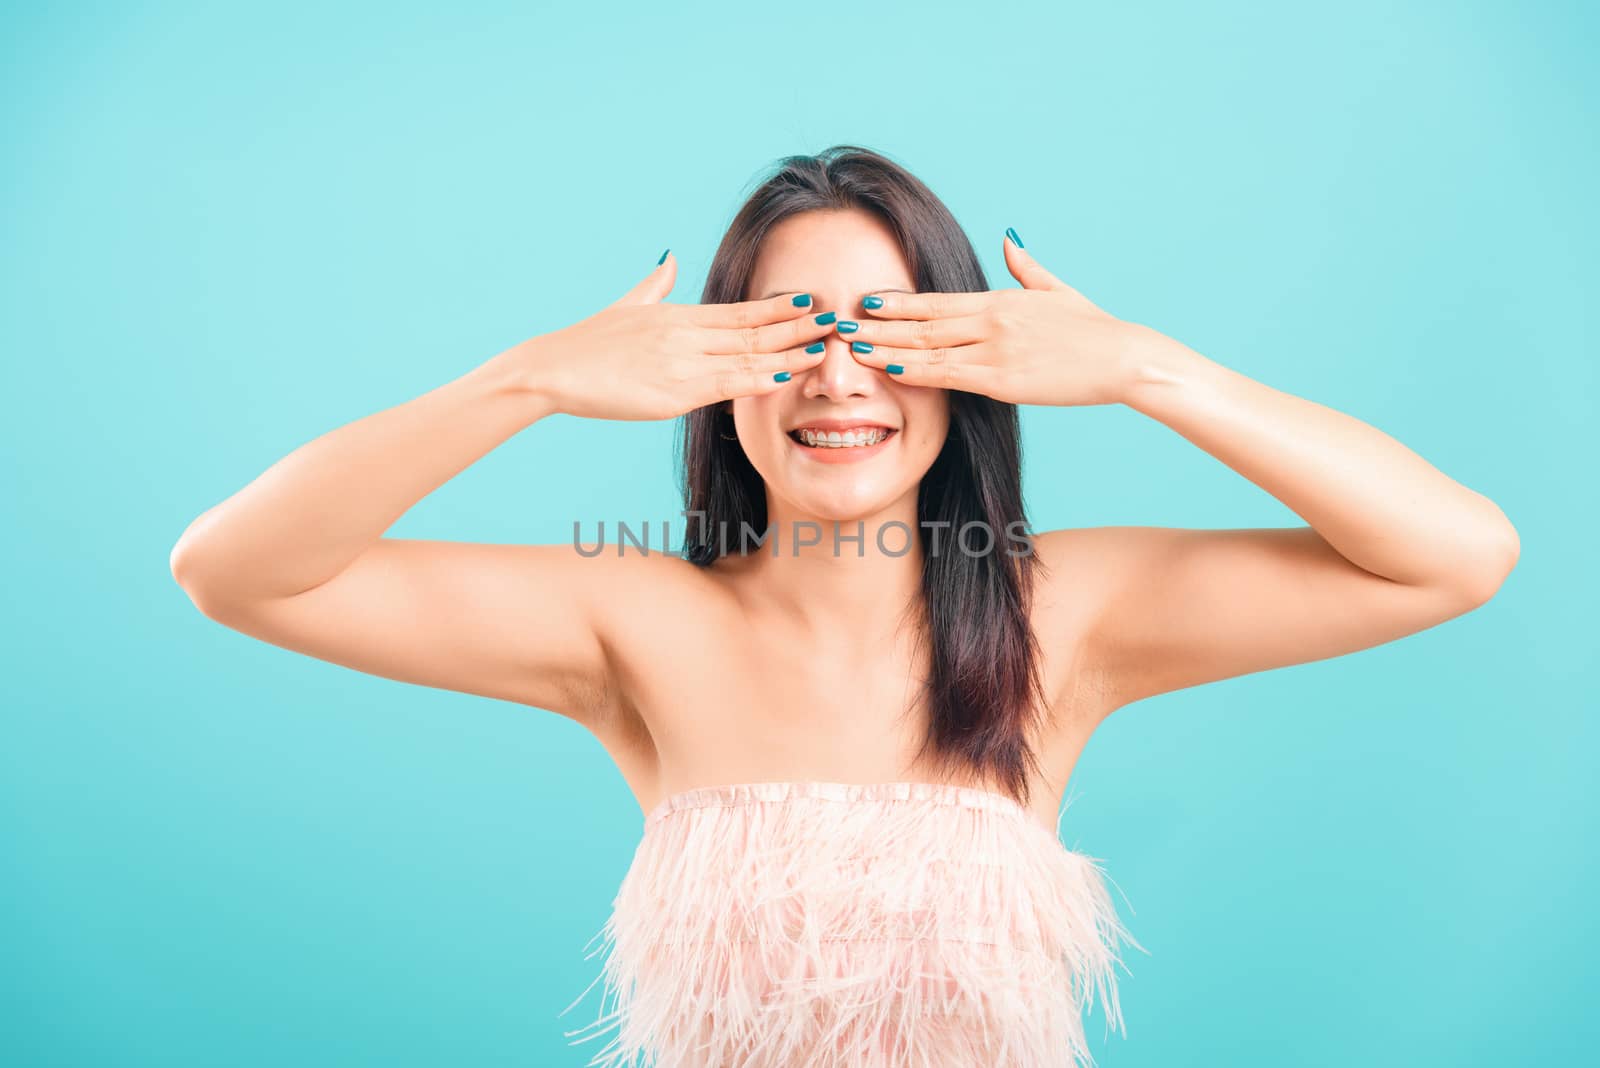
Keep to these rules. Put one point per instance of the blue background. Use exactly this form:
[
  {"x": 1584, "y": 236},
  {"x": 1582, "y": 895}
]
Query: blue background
[{"x": 226, "y": 233}]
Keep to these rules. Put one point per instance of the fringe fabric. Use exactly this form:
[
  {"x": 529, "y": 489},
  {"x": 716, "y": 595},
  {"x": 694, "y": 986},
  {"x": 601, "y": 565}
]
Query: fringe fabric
[{"x": 883, "y": 925}]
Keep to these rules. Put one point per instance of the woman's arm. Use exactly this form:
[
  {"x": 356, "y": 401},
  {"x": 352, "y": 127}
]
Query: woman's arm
[
  {"x": 1393, "y": 545},
  {"x": 311, "y": 514},
  {"x": 298, "y": 558}
]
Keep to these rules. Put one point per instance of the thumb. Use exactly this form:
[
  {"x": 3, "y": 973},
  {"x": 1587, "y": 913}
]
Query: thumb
[
  {"x": 656, "y": 285},
  {"x": 1025, "y": 269}
]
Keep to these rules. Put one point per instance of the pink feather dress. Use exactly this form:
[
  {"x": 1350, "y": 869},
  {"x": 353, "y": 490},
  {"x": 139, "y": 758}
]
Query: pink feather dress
[{"x": 835, "y": 925}]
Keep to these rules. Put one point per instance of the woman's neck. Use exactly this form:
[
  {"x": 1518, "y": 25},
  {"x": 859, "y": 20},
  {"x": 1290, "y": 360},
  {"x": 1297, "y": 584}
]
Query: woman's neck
[{"x": 854, "y": 576}]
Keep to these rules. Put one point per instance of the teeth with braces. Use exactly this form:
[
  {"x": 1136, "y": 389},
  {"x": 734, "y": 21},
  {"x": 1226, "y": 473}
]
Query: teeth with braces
[{"x": 846, "y": 439}]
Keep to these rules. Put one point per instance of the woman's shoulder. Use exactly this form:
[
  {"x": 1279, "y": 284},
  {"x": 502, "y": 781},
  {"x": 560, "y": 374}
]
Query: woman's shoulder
[
  {"x": 1073, "y": 582},
  {"x": 1086, "y": 569},
  {"x": 1075, "y": 568},
  {"x": 642, "y": 589}
]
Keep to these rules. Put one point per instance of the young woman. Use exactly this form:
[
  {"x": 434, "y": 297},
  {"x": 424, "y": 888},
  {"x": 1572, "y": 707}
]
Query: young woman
[{"x": 850, "y": 708}]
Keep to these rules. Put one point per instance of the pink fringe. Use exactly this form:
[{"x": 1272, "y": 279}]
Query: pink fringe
[{"x": 835, "y": 925}]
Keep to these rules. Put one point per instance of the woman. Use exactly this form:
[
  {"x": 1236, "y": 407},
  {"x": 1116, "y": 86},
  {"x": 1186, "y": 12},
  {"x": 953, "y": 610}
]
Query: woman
[{"x": 850, "y": 708}]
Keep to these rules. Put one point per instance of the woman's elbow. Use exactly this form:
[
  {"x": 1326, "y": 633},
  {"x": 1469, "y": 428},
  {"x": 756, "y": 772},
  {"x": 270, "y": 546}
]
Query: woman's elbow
[{"x": 1484, "y": 579}]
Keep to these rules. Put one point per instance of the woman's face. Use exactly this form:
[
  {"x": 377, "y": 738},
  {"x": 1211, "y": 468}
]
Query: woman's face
[{"x": 838, "y": 257}]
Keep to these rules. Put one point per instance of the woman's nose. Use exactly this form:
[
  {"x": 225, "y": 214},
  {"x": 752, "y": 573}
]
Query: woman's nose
[{"x": 839, "y": 374}]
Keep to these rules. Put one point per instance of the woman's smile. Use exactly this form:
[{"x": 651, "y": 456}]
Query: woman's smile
[{"x": 841, "y": 441}]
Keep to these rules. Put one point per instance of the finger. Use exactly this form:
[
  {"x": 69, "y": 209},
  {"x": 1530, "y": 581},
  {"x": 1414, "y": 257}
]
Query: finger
[
  {"x": 749, "y": 374},
  {"x": 916, "y": 333},
  {"x": 1032, "y": 275},
  {"x": 925, "y": 305},
  {"x": 745, "y": 313},
  {"x": 1027, "y": 270},
  {"x": 963, "y": 367},
  {"x": 656, "y": 285},
  {"x": 770, "y": 338}
]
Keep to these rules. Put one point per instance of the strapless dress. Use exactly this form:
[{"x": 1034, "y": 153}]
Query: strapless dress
[{"x": 837, "y": 925}]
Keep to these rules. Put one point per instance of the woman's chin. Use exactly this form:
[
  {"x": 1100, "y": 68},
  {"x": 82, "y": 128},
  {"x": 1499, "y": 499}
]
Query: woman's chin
[{"x": 844, "y": 509}]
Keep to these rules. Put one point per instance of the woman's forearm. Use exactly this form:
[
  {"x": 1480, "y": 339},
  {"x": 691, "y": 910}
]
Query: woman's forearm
[
  {"x": 1379, "y": 504},
  {"x": 311, "y": 514}
]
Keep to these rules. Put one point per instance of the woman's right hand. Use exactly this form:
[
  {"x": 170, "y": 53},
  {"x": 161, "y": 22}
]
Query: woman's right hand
[{"x": 642, "y": 359}]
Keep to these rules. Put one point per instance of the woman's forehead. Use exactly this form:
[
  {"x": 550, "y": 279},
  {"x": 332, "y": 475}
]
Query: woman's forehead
[{"x": 832, "y": 255}]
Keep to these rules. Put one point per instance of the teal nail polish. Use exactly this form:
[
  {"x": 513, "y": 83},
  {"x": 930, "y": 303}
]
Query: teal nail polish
[
  {"x": 663, "y": 258},
  {"x": 848, "y": 326},
  {"x": 825, "y": 318},
  {"x": 860, "y": 346},
  {"x": 781, "y": 376},
  {"x": 802, "y": 301},
  {"x": 814, "y": 347},
  {"x": 895, "y": 369},
  {"x": 1012, "y": 234},
  {"x": 872, "y": 302}
]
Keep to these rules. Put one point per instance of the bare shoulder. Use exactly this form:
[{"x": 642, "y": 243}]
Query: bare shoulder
[
  {"x": 643, "y": 592},
  {"x": 642, "y": 599},
  {"x": 1077, "y": 572},
  {"x": 1078, "y": 564},
  {"x": 663, "y": 612}
]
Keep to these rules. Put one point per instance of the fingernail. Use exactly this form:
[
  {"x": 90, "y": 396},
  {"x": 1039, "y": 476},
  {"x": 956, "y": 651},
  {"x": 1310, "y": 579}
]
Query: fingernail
[
  {"x": 894, "y": 369},
  {"x": 848, "y": 326},
  {"x": 860, "y": 346},
  {"x": 663, "y": 258},
  {"x": 825, "y": 318},
  {"x": 814, "y": 347},
  {"x": 1012, "y": 234},
  {"x": 802, "y": 301},
  {"x": 781, "y": 376},
  {"x": 872, "y": 302}
]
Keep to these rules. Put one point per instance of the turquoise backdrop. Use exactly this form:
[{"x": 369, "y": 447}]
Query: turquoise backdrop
[{"x": 230, "y": 229}]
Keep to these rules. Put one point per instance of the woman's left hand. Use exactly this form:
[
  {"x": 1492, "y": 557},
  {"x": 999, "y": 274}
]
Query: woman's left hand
[{"x": 1042, "y": 344}]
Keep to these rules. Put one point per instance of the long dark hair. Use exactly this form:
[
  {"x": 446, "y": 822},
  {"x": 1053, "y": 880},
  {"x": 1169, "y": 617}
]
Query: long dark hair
[{"x": 982, "y": 692}]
